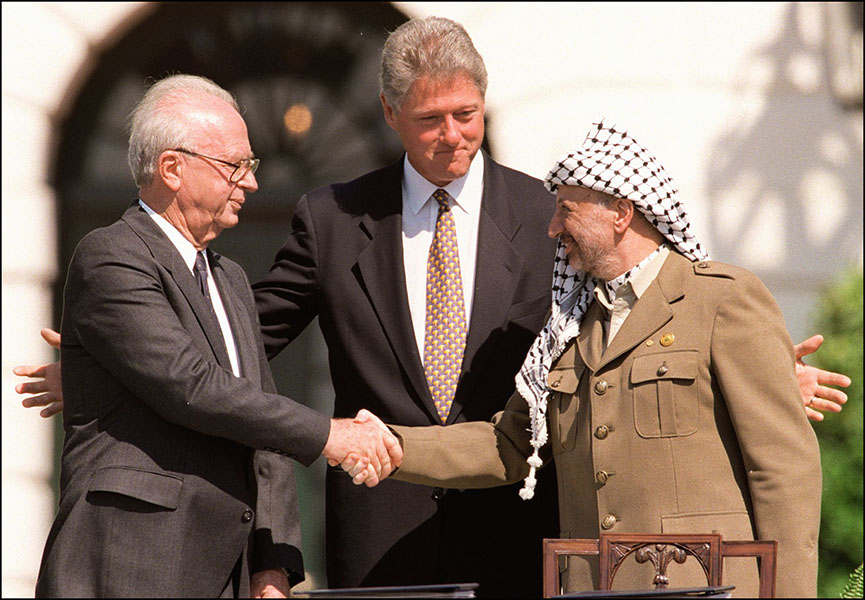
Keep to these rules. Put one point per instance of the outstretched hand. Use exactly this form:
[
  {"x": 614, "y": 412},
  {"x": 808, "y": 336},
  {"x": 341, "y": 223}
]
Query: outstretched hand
[
  {"x": 50, "y": 394},
  {"x": 366, "y": 444},
  {"x": 813, "y": 381}
]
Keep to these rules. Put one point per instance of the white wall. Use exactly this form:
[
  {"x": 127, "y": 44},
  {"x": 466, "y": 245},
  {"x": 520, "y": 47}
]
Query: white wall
[{"x": 733, "y": 98}]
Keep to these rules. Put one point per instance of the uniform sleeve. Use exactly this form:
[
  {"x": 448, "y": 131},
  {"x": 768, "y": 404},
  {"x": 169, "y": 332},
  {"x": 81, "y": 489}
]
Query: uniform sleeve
[
  {"x": 469, "y": 455},
  {"x": 752, "y": 356}
]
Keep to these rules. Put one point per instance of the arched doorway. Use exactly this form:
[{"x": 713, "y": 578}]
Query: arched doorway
[{"x": 306, "y": 76}]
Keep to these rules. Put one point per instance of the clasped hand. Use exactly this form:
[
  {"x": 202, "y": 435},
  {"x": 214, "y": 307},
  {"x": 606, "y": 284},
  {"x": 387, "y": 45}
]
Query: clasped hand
[{"x": 364, "y": 446}]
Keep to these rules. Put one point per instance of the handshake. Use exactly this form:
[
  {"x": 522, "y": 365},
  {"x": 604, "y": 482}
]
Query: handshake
[{"x": 364, "y": 447}]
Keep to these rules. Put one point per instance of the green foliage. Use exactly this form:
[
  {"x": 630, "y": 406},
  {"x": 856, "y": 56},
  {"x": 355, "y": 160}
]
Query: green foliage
[
  {"x": 840, "y": 322},
  {"x": 854, "y": 589}
]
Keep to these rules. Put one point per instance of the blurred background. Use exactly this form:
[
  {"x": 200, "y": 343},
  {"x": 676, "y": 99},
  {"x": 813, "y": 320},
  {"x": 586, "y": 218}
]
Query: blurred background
[{"x": 755, "y": 109}]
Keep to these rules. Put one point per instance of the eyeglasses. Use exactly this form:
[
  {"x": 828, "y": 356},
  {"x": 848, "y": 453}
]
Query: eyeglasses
[{"x": 247, "y": 165}]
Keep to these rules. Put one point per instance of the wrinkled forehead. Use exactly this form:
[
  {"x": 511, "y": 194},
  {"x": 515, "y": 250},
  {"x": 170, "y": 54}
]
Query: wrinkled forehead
[{"x": 578, "y": 194}]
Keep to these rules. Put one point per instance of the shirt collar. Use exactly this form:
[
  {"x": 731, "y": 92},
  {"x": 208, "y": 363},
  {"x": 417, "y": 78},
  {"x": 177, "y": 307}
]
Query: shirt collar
[
  {"x": 466, "y": 191},
  {"x": 638, "y": 278},
  {"x": 184, "y": 246}
]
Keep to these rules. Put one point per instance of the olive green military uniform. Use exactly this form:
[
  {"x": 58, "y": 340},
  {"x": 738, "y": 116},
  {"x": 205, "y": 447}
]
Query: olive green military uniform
[{"x": 689, "y": 422}]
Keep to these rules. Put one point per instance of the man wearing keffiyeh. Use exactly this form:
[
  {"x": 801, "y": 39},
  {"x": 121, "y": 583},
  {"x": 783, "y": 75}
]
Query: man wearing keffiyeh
[{"x": 662, "y": 386}]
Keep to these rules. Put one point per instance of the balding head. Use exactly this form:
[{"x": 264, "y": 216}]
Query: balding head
[{"x": 170, "y": 115}]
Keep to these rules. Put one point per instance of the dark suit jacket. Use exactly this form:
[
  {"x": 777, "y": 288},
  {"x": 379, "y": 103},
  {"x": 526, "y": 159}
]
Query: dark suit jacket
[
  {"x": 343, "y": 263},
  {"x": 161, "y": 490}
]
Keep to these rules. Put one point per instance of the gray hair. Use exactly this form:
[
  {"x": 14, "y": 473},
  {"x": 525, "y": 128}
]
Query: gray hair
[
  {"x": 430, "y": 46},
  {"x": 155, "y": 126}
]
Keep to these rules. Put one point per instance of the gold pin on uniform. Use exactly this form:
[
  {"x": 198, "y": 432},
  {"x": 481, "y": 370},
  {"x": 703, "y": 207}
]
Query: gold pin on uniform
[{"x": 667, "y": 339}]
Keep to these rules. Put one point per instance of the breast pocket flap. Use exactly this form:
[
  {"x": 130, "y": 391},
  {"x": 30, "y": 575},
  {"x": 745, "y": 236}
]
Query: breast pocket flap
[
  {"x": 160, "y": 489},
  {"x": 565, "y": 380},
  {"x": 667, "y": 365}
]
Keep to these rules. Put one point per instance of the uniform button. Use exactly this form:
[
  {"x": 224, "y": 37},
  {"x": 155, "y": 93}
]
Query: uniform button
[
  {"x": 601, "y": 432},
  {"x": 662, "y": 370},
  {"x": 247, "y": 516},
  {"x": 438, "y": 494},
  {"x": 601, "y": 477},
  {"x": 702, "y": 265},
  {"x": 601, "y": 388},
  {"x": 555, "y": 383},
  {"x": 608, "y": 522}
]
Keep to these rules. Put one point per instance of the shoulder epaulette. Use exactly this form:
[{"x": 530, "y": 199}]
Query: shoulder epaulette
[{"x": 715, "y": 269}]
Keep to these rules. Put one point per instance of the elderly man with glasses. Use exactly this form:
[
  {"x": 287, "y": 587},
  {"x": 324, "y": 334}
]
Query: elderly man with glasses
[{"x": 172, "y": 483}]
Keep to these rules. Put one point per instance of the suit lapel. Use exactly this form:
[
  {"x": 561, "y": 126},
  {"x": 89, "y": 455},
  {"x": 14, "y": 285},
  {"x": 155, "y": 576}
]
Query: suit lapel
[
  {"x": 381, "y": 273},
  {"x": 591, "y": 339},
  {"x": 239, "y": 319},
  {"x": 496, "y": 277},
  {"x": 167, "y": 255},
  {"x": 652, "y": 310}
]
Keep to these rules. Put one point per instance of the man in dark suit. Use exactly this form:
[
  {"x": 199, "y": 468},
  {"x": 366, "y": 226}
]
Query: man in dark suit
[
  {"x": 357, "y": 258},
  {"x": 167, "y": 487}
]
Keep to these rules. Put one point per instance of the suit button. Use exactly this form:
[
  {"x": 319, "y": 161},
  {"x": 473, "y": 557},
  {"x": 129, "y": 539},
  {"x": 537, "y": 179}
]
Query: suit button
[
  {"x": 662, "y": 370},
  {"x": 247, "y": 516},
  {"x": 601, "y": 477},
  {"x": 601, "y": 388},
  {"x": 608, "y": 522},
  {"x": 602, "y": 432},
  {"x": 438, "y": 494}
]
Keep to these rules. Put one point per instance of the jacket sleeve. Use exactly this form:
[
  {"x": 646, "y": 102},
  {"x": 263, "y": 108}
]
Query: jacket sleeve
[
  {"x": 277, "y": 536},
  {"x": 474, "y": 454},
  {"x": 277, "y": 540},
  {"x": 752, "y": 356},
  {"x": 286, "y": 297}
]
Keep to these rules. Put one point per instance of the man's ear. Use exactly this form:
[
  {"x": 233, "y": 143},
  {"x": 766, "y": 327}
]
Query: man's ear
[
  {"x": 389, "y": 113},
  {"x": 624, "y": 210},
  {"x": 169, "y": 168}
]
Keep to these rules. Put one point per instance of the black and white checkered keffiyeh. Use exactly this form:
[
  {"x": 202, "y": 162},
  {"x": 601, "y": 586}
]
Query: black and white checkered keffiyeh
[{"x": 612, "y": 162}]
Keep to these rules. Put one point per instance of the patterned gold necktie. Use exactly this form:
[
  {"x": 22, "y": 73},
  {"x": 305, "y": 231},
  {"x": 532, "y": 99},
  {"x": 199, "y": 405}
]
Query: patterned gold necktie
[{"x": 445, "y": 336}]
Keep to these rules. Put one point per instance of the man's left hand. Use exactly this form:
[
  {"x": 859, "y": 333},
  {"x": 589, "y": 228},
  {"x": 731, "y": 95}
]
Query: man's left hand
[{"x": 813, "y": 381}]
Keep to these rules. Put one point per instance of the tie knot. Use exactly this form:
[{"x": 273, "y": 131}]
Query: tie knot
[{"x": 443, "y": 198}]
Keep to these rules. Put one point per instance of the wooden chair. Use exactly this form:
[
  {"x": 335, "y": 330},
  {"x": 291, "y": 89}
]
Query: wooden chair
[{"x": 660, "y": 549}]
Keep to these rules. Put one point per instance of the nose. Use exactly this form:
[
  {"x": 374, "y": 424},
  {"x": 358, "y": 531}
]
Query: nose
[
  {"x": 555, "y": 227},
  {"x": 450, "y": 133},
  {"x": 248, "y": 182}
]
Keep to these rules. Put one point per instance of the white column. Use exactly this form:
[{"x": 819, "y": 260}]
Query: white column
[{"x": 47, "y": 49}]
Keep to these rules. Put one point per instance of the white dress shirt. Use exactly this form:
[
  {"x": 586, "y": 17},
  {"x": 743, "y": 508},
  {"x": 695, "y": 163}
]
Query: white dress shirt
[
  {"x": 419, "y": 212},
  {"x": 188, "y": 253}
]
